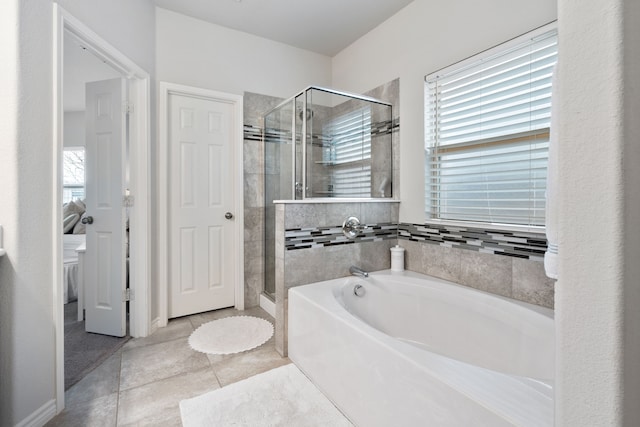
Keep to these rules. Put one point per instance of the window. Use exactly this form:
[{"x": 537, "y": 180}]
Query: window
[
  {"x": 487, "y": 134},
  {"x": 73, "y": 178},
  {"x": 349, "y": 153}
]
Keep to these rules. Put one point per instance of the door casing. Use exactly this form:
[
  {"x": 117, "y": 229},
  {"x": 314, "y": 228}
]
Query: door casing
[
  {"x": 66, "y": 25},
  {"x": 163, "y": 190}
]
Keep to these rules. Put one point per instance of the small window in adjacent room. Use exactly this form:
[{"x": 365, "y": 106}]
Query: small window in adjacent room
[
  {"x": 487, "y": 134},
  {"x": 73, "y": 174}
]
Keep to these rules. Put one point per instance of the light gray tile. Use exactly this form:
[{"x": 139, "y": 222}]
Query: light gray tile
[
  {"x": 442, "y": 262},
  {"x": 395, "y": 212},
  {"x": 531, "y": 284},
  {"x": 487, "y": 272},
  {"x": 253, "y": 224},
  {"x": 375, "y": 213},
  {"x": 337, "y": 213},
  {"x": 281, "y": 296},
  {"x": 176, "y": 328},
  {"x": 157, "y": 403},
  {"x": 256, "y": 105},
  {"x": 335, "y": 262},
  {"x": 253, "y": 284},
  {"x": 413, "y": 256},
  {"x": 144, "y": 365},
  {"x": 100, "y": 412},
  {"x": 302, "y": 215},
  {"x": 102, "y": 381},
  {"x": 376, "y": 256},
  {"x": 253, "y": 190},
  {"x": 254, "y": 265},
  {"x": 304, "y": 266},
  {"x": 253, "y": 157},
  {"x": 279, "y": 241},
  {"x": 253, "y": 248},
  {"x": 248, "y": 364}
]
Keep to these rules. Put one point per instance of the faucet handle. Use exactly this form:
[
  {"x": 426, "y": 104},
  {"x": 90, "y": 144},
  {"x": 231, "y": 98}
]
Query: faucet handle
[{"x": 351, "y": 227}]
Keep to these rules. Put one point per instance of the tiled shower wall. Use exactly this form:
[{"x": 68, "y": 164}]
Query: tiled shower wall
[{"x": 255, "y": 106}]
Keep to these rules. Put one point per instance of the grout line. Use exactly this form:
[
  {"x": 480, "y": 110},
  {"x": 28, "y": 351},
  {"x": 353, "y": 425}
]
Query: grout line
[{"x": 119, "y": 387}]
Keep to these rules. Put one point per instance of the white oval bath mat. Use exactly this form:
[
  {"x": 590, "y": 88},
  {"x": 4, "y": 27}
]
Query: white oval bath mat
[{"x": 231, "y": 335}]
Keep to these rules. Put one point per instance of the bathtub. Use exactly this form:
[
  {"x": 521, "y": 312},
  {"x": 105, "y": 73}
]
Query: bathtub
[{"x": 419, "y": 351}]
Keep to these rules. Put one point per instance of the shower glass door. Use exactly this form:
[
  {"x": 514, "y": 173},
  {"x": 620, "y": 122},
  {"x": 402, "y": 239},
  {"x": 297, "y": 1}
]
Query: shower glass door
[{"x": 278, "y": 179}]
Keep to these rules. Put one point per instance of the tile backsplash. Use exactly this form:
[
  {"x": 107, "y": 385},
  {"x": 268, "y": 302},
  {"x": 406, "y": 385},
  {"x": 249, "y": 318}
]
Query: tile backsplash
[{"x": 514, "y": 244}]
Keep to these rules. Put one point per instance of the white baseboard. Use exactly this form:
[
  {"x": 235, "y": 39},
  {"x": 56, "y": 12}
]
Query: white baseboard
[
  {"x": 267, "y": 305},
  {"x": 41, "y": 416},
  {"x": 155, "y": 324}
]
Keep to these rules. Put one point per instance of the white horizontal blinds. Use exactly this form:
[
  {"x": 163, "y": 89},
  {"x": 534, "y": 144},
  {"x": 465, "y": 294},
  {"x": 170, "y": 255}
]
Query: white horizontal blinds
[
  {"x": 348, "y": 153},
  {"x": 487, "y": 136}
]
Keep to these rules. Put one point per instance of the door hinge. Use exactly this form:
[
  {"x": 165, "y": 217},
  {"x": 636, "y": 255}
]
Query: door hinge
[
  {"x": 127, "y": 295},
  {"x": 128, "y": 108},
  {"x": 128, "y": 201}
]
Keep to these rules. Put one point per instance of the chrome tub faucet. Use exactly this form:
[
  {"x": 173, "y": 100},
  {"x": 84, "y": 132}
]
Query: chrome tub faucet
[{"x": 358, "y": 271}]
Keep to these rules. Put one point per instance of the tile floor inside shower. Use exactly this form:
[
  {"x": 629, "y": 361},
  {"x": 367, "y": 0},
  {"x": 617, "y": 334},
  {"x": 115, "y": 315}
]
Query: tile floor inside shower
[{"x": 144, "y": 382}]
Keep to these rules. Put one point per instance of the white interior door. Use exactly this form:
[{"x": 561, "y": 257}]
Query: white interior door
[
  {"x": 104, "y": 267},
  {"x": 201, "y": 239}
]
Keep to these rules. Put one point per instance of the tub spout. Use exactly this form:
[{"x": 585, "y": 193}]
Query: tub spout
[{"x": 358, "y": 271}]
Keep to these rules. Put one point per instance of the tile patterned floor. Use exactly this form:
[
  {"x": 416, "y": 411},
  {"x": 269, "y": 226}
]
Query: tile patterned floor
[{"x": 142, "y": 384}]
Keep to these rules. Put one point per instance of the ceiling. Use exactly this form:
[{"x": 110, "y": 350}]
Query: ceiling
[
  {"x": 322, "y": 26},
  {"x": 81, "y": 66}
]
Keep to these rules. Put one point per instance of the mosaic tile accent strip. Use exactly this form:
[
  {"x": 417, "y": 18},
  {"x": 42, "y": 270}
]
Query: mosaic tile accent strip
[
  {"x": 385, "y": 127},
  {"x": 318, "y": 237},
  {"x": 514, "y": 244},
  {"x": 254, "y": 133}
]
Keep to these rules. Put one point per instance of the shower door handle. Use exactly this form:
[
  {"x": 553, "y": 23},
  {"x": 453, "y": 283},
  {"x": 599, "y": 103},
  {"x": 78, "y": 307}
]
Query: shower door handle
[{"x": 228, "y": 215}]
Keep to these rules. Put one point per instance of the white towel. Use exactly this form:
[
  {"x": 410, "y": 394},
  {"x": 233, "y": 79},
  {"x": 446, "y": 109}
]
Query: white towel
[{"x": 551, "y": 255}]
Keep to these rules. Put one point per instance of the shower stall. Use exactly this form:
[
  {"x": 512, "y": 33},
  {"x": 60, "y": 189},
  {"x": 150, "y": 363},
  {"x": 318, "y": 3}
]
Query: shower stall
[{"x": 324, "y": 144}]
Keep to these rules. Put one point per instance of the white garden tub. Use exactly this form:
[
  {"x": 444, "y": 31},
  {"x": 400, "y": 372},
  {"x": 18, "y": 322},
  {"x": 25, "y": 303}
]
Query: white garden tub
[{"x": 419, "y": 351}]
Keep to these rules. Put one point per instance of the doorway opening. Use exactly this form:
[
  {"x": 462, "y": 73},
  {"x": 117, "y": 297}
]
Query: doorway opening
[
  {"x": 68, "y": 31},
  {"x": 83, "y": 349}
]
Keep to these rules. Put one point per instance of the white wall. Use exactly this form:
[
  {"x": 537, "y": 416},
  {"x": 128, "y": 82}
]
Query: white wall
[
  {"x": 197, "y": 53},
  {"x": 598, "y": 291},
  {"x": 424, "y": 37},
  {"x": 26, "y": 329},
  {"x": 74, "y": 129},
  {"x": 27, "y": 365}
]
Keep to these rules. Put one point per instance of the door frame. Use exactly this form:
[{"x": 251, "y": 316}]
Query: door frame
[
  {"x": 139, "y": 215},
  {"x": 166, "y": 89}
]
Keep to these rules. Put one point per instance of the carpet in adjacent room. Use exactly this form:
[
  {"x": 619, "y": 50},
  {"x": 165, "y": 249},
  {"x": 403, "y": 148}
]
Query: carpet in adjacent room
[{"x": 84, "y": 351}]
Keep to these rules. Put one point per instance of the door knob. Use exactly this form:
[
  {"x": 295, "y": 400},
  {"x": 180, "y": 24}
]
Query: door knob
[
  {"x": 87, "y": 220},
  {"x": 228, "y": 215}
]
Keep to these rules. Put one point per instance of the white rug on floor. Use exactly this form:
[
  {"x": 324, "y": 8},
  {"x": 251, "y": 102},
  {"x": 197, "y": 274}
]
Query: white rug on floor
[
  {"x": 279, "y": 397},
  {"x": 231, "y": 335}
]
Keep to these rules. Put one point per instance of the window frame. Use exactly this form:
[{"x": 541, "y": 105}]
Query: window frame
[
  {"x": 84, "y": 181},
  {"x": 459, "y": 67}
]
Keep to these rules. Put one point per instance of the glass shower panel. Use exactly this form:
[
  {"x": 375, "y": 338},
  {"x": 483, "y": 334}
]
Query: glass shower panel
[
  {"x": 298, "y": 129},
  {"x": 348, "y": 146},
  {"x": 278, "y": 179}
]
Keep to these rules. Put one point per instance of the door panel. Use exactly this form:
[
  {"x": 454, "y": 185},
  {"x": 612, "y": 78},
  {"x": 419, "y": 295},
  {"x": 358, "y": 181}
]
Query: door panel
[
  {"x": 202, "y": 244},
  {"x": 104, "y": 270}
]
